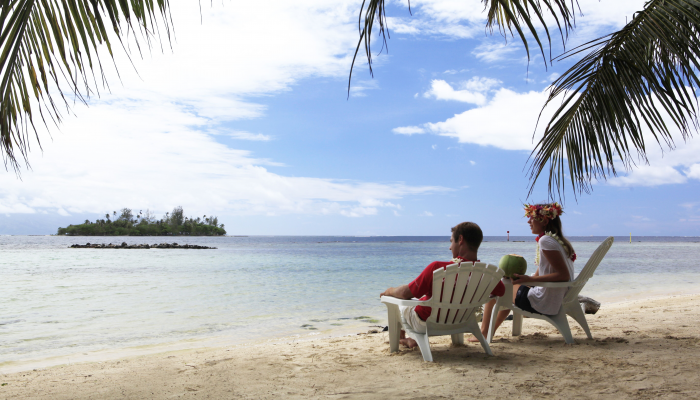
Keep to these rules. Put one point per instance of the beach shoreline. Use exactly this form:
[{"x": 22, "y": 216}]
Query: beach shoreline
[
  {"x": 634, "y": 353},
  {"x": 222, "y": 341}
]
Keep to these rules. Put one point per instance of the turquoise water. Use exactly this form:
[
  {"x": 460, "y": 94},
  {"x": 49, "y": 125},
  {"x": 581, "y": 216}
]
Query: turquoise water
[{"x": 57, "y": 301}]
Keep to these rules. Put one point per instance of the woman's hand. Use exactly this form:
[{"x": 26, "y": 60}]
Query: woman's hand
[
  {"x": 521, "y": 279},
  {"x": 560, "y": 274}
]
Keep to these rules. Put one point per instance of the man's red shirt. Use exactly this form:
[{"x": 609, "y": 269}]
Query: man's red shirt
[{"x": 422, "y": 287}]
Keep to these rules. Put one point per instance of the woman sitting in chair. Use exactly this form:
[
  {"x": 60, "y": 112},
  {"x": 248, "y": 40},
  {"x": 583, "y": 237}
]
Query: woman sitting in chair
[{"x": 555, "y": 263}]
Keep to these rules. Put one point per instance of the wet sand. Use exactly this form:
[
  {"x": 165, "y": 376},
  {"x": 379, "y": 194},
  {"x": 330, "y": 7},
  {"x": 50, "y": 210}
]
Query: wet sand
[{"x": 641, "y": 349}]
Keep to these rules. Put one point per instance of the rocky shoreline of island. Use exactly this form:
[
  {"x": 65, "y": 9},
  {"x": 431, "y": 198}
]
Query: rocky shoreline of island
[{"x": 124, "y": 245}]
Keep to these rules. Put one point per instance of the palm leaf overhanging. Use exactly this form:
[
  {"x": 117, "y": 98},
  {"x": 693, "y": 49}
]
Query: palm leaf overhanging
[
  {"x": 629, "y": 78},
  {"x": 44, "y": 43},
  {"x": 506, "y": 15}
]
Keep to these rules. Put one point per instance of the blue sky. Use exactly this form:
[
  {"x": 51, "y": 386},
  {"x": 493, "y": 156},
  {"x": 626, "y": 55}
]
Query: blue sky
[{"x": 247, "y": 118}]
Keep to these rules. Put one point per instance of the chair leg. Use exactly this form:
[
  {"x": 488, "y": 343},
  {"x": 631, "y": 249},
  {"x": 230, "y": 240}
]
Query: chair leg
[
  {"x": 517, "y": 323},
  {"x": 577, "y": 313},
  {"x": 423, "y": 345},
  {"x": 394, "y": 326},
  {"x": 500, "y": 302},
  {"x": 561, "y": 323},
  {"x": 477, "y": 333},
  {"x": 458, "y": 339}
]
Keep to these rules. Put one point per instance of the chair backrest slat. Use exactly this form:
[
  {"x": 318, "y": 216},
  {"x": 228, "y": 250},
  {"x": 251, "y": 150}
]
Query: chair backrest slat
[
  {"x": 489, "y": 276},
  {"x": 588, "y": 270},
  {"x": 451, "y": 276},
  {"x": 459, "y": 289},
  {"x": 461, "y": 294}
]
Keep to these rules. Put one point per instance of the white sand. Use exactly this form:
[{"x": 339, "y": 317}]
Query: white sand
[{"x": 641, "y": 349}]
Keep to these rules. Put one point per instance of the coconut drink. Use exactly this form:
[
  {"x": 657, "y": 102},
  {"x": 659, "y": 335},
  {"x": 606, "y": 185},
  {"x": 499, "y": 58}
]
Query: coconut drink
[{"x": 513, "y": 264}]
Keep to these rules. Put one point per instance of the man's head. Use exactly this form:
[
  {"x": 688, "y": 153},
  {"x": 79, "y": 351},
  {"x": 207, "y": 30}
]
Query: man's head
[{"x": 469, "y": 234}]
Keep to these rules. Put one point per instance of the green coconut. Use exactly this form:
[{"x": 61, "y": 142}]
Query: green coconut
[{"x": 513, "y": 264}]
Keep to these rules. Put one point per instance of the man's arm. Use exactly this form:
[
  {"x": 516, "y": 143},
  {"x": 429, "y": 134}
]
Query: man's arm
[{"x": 400, "y": 292}]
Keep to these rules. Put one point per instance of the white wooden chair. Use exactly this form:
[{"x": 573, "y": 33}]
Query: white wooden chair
[
  {"x": 454, "y": 305},
  {"x": 570, "y": 305}
]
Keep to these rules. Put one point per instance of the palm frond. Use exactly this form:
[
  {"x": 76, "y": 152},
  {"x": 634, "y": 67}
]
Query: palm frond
[
  {"x": 630, "y": 80},
  {"x": 506, "y": 15},
  {"x": 44, "y": 43}
]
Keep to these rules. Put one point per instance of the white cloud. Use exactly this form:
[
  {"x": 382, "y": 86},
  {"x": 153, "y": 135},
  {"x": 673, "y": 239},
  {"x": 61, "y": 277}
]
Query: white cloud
[
  {"x": 507, "y": 121},
  {"x": 498, "y": 51},
  {"x": 153, "y": 142},
  {"x": 693, "y": 172},
  {"x": 442, "y": 90},
  {"x": 666, "y": 166},
  {"x": 470, "y": 91},
  {"x": 214, "y": 74},
  {"x": 649, "y": 175},
  {"x": 481, "y": 84},
  {"x": 457, "y": 19},
  {"x": 356, "y": 212},
  {"x": 12, "y": 205},
  {"x": 243, "y": 135},
  {"x": 168, "y": 162},
  {"x": 472, "y": 162},
  {"x": 408, "y": 130},
  {"x": 426, "y": 214},
  {"x": 359, "y": 88}
]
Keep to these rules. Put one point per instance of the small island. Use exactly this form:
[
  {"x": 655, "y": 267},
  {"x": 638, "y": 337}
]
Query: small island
[{"x": 146, "y": 224}]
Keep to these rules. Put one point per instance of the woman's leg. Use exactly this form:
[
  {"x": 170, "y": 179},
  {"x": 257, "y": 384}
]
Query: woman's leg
[{"x": 488, "y": 311}]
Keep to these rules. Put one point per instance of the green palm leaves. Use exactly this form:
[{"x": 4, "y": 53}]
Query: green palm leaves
[
  {"x": 45, "y": 44},
  {"x": 622, "y": 86},
  {"x": 635, "y": 79},
  {"x": 507, "y": 15}
]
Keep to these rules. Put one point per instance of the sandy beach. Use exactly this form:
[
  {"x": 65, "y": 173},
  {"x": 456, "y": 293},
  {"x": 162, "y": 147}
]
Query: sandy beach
[{"x": 641, "y": 349}]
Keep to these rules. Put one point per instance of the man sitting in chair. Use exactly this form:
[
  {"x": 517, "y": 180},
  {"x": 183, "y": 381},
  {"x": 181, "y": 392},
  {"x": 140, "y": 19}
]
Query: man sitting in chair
[{"x": 464, "y": 244}]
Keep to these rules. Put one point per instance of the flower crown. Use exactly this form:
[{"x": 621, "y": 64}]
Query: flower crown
[{"x": 543, "y": 211}]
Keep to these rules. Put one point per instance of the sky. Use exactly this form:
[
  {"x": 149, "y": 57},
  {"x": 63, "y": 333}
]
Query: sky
[{"x": 245, "y": 115}]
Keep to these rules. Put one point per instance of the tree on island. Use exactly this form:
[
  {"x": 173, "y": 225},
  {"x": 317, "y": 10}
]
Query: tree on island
[{"x": 174, "y": 223}]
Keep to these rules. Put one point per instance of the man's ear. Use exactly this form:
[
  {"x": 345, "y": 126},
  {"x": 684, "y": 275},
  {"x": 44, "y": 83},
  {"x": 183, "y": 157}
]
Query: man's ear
[{"x": 460, "y": 240}]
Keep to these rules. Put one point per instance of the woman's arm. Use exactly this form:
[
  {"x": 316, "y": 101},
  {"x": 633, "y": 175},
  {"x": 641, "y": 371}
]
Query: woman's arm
[{"x": 560, "y": 274}]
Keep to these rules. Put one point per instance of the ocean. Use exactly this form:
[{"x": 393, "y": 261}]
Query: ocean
[{"x": 59, "y": 304}]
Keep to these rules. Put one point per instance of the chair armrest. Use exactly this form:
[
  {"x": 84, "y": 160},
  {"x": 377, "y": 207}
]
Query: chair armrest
[
  {"x": 401, "y": 302},
  {"x": 550, "y": 284}
]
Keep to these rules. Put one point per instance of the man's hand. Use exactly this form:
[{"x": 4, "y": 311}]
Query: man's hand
[{"x": 401, "y": 292}]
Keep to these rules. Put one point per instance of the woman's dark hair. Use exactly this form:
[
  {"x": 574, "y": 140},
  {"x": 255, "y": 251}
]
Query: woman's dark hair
[{"x": 554, "y": 226}]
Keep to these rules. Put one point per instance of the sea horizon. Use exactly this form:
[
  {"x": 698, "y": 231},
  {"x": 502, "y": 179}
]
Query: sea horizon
[{"x": 504, "y": 238}]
